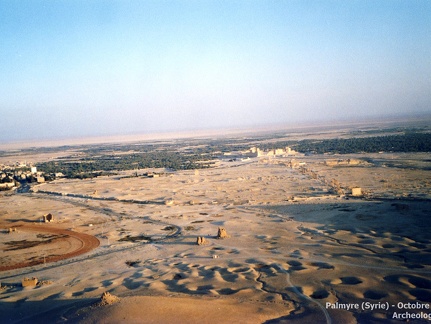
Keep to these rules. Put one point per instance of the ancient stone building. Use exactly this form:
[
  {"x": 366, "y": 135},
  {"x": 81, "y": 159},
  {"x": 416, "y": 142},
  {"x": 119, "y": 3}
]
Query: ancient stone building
[
  {"x": 48, "y": 218},
  {"x": 356, "y": 192}
]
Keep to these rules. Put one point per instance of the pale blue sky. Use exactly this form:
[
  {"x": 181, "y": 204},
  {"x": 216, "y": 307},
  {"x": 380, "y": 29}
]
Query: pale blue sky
[{"x": 83, "y": 68}]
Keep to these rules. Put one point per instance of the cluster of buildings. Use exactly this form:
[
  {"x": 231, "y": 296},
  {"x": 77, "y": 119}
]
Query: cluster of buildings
[{"x": 12, "y": 176}]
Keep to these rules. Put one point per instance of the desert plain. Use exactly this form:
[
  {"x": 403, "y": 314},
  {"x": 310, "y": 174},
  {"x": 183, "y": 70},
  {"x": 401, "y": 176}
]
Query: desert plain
[{"x": 296, "y": 251}]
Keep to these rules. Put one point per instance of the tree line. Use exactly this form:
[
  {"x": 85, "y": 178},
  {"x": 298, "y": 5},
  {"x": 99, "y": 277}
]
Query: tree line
[
  {"x": 409, "y": 142},
  {"x": 89, "y": 167},
  {"x": 101, "y": 161}
]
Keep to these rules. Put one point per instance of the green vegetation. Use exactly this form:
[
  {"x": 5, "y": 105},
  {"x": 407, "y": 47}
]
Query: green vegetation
[
  {"x": 92, "y": 161},
  {"x": 90, "y": 166},
  {"x": 409, "y": 142}
]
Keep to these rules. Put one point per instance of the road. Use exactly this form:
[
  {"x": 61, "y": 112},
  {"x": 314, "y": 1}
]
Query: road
[{"x": 88, "y": 243}]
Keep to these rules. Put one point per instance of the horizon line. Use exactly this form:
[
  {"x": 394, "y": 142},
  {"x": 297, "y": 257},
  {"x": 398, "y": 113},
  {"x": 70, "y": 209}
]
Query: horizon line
[{"x": 204, "y": 132}]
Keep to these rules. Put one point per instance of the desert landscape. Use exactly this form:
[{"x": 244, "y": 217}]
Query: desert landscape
[
  {"x": 215, "y": 162},
  {"x": 275, "y": 238}
]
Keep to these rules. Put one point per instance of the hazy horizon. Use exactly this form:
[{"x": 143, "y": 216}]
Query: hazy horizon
[
  {"x": 79, "y": 69},
  {"x": 413, "y": 120}
]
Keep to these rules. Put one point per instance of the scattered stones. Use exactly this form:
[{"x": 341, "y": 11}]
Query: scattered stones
[
  {"x": 221, "y": 234},
  {"x": 29, "y": 282},
  {"x": 201, "y": 240},
  {"x": 107, "y": 299},
  {"x": 44, "y": 282},
  {"x": 134, "y": 263}
]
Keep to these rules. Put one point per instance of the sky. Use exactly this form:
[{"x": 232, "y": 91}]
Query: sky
[{"x": 82, "y": 68}]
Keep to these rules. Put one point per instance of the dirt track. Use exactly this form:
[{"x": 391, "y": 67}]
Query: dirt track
[{"x": 88, "y": 243}]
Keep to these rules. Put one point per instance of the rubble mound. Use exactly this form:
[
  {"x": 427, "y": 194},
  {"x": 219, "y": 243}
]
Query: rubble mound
[
  {"x": 107, "y": 299},
  {"x": 44, "y": 282},
  {"x": 222, "y": 233}
]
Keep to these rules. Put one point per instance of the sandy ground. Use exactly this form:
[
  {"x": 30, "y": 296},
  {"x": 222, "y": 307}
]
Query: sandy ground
[
  {"x": 36, "y": 244},
  {"x": 294, "y": 248}
]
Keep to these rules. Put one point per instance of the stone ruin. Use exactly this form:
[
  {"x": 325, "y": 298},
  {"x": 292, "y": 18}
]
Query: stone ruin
[
  {"x": 201, "y": 240},
  {"x": 356, "y": 192},
  {"x": 169, "y": 202},
  {"x": 107, "y": 299},
  {"x": 29, "y": 282},
  {"x": 48, "y": 218},
  {"x": 221, "y": 234}
]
